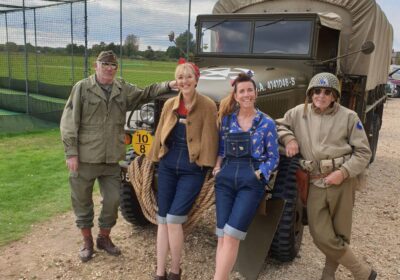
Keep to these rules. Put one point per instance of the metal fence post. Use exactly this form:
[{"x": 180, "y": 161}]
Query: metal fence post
[
  {"x": 86, "y": 41},
  {"x": 72, "y": 47},
  {"x": 36, "y": 53},
  {"x": 8, "y": 54},
  {"x": 26, "y": 60},
  {"x": 188, "y": 32},
  {"x": 120, "y": 37}
]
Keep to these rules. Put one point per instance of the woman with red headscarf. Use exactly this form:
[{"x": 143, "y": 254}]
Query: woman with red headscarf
[{"x": 185, "y": 145}]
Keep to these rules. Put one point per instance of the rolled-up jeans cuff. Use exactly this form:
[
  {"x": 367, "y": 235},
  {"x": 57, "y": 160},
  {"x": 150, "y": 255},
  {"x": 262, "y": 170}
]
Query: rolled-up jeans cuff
[
  {"x": 174, "y": 219},
  {"x": 219, "y": 232},
  {"x": 161, "y": 220},
  {"x": 241, "y": 235}
]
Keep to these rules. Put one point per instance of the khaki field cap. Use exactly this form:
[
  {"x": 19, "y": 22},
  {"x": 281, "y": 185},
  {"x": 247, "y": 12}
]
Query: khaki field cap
[
  {"x": 107, "y": 56},
  {"x": 324, "y": 80}
]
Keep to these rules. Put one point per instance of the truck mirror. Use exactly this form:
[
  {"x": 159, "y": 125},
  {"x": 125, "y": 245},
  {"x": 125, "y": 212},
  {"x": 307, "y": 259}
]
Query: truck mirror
[
  {"x": 171, "y": 36},
  {"x": 368, "y": 47}
]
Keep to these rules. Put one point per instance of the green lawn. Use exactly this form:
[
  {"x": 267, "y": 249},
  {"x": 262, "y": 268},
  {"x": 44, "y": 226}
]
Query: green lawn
[
  {"x": 34, "y": 179},
  {"x": 34, "y": 182},
  {"x": 56, "y": 69}
]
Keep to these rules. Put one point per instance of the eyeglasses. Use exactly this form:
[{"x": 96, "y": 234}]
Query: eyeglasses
[
  {"x": 326, "y": 92},
  {"x": 108, "y": 64}
]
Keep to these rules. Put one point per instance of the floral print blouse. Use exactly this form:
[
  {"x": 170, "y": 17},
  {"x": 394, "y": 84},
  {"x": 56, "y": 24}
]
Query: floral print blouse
[{"x": 264, "y": 140}]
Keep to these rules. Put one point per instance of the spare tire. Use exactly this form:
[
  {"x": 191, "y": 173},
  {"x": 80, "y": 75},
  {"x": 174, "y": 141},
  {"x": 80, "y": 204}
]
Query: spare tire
[
  {"x": 287, "y": 240},
  {"x": 130, "y": 207}
]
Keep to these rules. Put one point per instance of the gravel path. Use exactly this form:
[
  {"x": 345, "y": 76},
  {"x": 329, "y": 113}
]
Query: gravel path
[{"x": 50, "y": 250}]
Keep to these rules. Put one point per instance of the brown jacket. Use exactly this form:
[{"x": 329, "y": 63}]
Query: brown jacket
[{"x": 201, "y": 130}]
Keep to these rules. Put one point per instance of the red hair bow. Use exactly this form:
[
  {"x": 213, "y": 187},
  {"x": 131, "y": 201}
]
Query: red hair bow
[{"x": 194, "y": 66}]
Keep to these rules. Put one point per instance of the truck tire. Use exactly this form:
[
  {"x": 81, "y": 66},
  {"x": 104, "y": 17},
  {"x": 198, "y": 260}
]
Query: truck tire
[
  {"x": 374, "y": 129},
  {"x": 130, "y": 207},
  {"x": 287, "y": 240}
]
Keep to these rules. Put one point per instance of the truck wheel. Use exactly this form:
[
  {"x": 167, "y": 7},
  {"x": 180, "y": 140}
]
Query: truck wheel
[
  {"x": 287, "y": 240},
  {"x": 130, "y": 207},
  {"x": 375, "y": 127}
]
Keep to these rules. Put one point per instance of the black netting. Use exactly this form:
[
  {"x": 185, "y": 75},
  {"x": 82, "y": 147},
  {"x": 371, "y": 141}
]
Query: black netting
[{"x": 40, "y": 63}]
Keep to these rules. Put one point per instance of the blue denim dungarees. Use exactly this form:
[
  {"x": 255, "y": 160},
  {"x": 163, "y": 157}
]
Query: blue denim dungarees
[
  {"x": 238, "y": 191},
  {"x": 179, "y": 180}
]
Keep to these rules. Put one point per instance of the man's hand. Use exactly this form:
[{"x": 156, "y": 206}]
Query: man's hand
[
  {"x": 72, "y": 163},
  {"x": 292, "y": 148},
  {"x": 173, "y": 85},
  {"x": 335, "y": 178}
]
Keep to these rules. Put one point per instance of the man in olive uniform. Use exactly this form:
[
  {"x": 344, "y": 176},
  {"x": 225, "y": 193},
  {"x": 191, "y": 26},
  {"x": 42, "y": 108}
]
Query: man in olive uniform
[
  {"x": 335, "y": 151},
  {"x": 92, "y": 130}
]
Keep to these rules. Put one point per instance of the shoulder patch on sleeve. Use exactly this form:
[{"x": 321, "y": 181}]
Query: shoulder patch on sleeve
[{"x": 359, "y": 125}]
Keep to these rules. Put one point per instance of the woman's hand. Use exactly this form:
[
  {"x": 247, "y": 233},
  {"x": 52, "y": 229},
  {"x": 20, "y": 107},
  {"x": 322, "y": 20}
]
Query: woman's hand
[
  {"x": 292, "y": 148},
  {"x": 216, "y": 170},
  {"x": 335, "y": 178}
]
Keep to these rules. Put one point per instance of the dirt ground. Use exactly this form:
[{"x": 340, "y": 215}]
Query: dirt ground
[{"x": 50, "y": 250}]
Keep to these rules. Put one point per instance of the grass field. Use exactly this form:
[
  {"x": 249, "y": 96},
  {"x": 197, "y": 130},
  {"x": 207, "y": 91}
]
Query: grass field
[
  {"x": 34, "y": 182},
  {"x": 57, "y": 69},
  {"x": 34, "y": 179}
]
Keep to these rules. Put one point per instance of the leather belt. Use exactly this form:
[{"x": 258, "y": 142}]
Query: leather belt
[{"x": 318, "y": 176}]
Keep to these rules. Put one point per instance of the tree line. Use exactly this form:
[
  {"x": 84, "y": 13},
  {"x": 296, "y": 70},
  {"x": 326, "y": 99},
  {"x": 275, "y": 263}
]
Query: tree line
[{"x": 130, "y": 48}]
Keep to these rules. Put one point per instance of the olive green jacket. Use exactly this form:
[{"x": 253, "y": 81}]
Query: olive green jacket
[
  {"x": 201, "y": 130},
  {"x": 334, "y": 133},
  {"x": 92, "y": 128}
]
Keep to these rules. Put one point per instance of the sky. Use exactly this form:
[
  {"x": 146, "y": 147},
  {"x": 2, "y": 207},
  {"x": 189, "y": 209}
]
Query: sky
[
  {"x": 392, "y": 11},
  {"x": 150, "y": 20},
  {"x": 176, "y": 15}
]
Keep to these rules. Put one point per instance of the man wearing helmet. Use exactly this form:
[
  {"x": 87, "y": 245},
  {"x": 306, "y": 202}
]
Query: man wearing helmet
[{"x": 334, "y": 150}]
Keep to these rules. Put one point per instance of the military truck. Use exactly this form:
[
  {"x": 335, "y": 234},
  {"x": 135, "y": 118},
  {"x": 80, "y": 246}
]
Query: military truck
[{"x": 283, "y": 43}]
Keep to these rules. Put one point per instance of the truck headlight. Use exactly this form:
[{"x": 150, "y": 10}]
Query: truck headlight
[{"x": 147, "y": 113}]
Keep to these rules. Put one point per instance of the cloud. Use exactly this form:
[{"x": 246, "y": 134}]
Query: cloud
[{"x": 151, "y": 20}]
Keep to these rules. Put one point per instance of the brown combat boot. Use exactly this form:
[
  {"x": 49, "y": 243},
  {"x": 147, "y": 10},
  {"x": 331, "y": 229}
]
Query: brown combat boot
[
  {"x": 104, "y": 242},
  {"x": 360, "y": 270},
  {"x": 329, "y": 270},
  {"x": 86, "y": 252}
]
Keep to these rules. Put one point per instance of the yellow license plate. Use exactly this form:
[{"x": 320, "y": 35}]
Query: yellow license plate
[{"x": 141, "y": 142}]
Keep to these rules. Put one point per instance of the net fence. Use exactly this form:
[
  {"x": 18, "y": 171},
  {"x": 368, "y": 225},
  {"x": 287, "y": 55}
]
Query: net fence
[{"x": 44, "y": 51}]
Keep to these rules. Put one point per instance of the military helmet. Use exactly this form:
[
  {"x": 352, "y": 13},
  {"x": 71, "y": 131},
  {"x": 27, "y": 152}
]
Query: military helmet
[{"x": 324, "y": 80}]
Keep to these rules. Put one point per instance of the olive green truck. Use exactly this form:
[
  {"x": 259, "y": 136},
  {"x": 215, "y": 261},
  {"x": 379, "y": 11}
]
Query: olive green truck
[{"x": 283, "y": 43}]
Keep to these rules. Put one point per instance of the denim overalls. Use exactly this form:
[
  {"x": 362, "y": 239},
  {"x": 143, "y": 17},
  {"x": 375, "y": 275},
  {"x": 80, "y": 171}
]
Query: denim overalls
[
  {"x": 238, "y": 191},
  {"x": 179, "y": 180}
]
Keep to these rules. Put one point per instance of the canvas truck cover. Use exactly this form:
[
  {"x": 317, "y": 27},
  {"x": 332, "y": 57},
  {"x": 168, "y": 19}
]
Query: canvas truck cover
[{"x": 358, "y": 20}]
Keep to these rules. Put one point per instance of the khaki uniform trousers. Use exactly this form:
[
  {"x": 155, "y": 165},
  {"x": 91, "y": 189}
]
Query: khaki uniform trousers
[
  {"x": 82, "y": 181},
  {"x": 329, "y": 213}
]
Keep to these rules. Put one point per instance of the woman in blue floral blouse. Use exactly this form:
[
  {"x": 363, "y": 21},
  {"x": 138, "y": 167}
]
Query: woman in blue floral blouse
[{"x": 248, "y": 153}]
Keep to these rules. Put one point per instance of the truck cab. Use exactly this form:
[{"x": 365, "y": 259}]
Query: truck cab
[{"x": 281, "y": 50}]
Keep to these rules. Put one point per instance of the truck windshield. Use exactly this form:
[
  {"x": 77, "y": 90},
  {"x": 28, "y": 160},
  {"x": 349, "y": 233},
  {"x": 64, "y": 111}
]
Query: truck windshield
[
  {"x": 282, "y": 37},
  {"x": 225, "y": 36},
  {"x": 274, "y": 37}
]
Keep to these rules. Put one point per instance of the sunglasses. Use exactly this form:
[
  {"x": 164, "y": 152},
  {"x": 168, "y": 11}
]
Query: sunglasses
[
  {"x": 326, "y": 92},
  {"x": 108, "y": 64}
]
